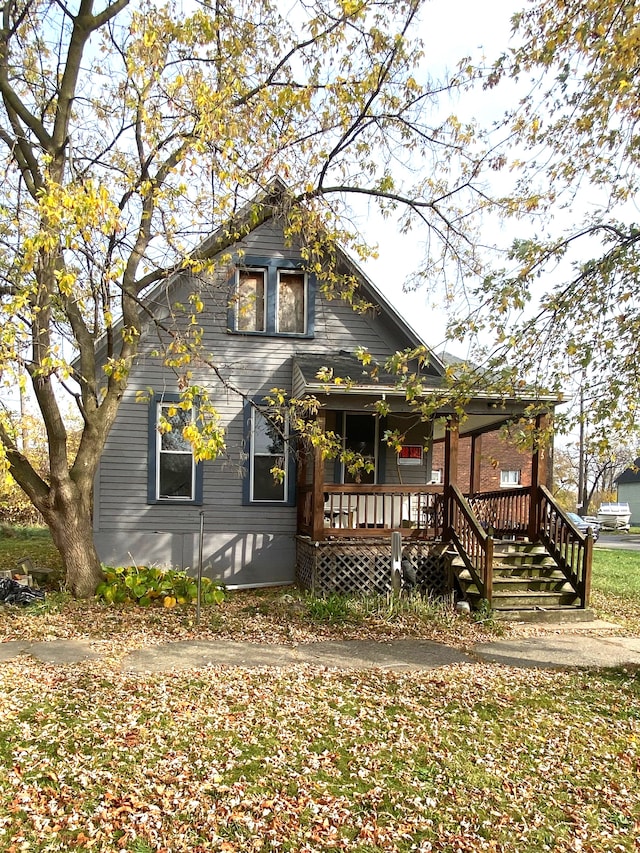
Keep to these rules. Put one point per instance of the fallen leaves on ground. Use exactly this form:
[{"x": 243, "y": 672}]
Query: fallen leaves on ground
[
  {"x": 275, "y": 615},
  {"x": 270, "y": 616},
  {"x": 464, "y": 758}
]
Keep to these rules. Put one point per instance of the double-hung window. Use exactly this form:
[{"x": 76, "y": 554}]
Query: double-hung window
[
  {"x": 251, "y": 302},
  {"x": 272, "y": 296},
  {"x": 268, "y": 452},
  {"x": 508, "y": 479},
  {"x": 291, "y": 301},
  {"x": 174, "y": 475}
]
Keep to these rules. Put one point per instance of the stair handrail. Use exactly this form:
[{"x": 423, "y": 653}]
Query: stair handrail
[
  {"x": 473, "y": 543},
  {"x": 571, "y": 549}
]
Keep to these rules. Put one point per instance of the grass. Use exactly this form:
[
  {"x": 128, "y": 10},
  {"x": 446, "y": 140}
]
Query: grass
[
  {"x": 308, "y": 760},
  {"x": 462, "y": 758},
  {"x": 32, "y": 542},
  {"x": 615, "y": 586}
]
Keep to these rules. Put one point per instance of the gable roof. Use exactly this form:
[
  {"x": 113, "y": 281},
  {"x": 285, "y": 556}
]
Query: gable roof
[
  {"x": 247, "y": 221},
  {"x": 251, "y": 216}
]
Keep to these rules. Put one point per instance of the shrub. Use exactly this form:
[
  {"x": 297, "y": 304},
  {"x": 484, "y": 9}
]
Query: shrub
[{"x": 148, "y": 585}]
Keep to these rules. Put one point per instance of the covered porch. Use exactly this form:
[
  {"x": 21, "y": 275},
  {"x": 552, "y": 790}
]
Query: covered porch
[{"x": 452, "y": 533}]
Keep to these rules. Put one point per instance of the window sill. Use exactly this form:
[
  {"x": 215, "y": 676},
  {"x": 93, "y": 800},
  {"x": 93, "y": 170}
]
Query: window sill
[
  {"x": 174, "y": 502},
  {"x": 297, "y": 335}
]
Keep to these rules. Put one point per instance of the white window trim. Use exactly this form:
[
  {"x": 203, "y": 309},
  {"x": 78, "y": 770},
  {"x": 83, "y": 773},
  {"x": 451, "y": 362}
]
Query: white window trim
[
  {"x": 507, "y": 483},
  {"x": 265, "y": 288},
  {"x": 283, "y": 273},
  {"x": 252, "y": 456},
  {"x": 159, "y": 452}
]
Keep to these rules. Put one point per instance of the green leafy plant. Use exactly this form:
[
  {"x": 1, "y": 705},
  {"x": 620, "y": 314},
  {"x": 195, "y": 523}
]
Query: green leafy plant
[{"x": 150, "y": 585}]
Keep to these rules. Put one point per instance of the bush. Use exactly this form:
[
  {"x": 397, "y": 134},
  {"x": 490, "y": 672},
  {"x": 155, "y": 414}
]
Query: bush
[{"x": 145, "y": 585}]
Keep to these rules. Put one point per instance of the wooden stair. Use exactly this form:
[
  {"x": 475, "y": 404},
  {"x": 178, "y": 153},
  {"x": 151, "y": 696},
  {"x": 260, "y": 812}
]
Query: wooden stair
[{"x": 525, "y": 577}]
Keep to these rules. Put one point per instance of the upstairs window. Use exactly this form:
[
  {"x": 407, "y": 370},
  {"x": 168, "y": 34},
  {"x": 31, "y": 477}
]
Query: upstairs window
[
  {"x": 272, "y": 296},
  {"x": 251, "y": 300},
  {"x": 291, "y": 303}
]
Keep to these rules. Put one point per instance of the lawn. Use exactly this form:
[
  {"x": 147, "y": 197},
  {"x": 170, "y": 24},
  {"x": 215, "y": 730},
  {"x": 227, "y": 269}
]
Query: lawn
[
  {"x": 308, "y": 759},
  {"x": 616, "y": 586},
  {"x": 465, "y": 758}
]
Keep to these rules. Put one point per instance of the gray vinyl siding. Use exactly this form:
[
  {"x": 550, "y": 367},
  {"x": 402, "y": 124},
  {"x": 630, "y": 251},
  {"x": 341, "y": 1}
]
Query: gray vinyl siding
[
  {"x": 245, "y": 545},
  {"x": 630, "y": 493}
]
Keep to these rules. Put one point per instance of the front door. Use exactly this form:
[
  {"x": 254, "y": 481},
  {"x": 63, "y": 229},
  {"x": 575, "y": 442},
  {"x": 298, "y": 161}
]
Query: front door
[{"x": 360, "y": 435}]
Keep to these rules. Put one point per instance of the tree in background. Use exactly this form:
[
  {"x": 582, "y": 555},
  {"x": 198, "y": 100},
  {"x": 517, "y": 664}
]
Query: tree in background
[
  {"x": 600, "y": 468},
  {"x": 130, "y": 131},
  {"x": 28, "y": 432},
  {"x": 566, "y": 305}
]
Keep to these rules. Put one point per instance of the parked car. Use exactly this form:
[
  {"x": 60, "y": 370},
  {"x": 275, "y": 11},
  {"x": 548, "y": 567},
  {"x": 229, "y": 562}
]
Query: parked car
[{"x": 583, "y": 524}]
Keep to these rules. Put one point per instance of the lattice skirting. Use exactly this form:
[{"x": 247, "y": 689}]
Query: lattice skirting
[{"x": 363, "y": 566}]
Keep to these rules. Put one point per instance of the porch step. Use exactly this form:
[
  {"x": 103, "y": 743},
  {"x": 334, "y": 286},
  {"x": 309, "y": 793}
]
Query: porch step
[
  {"x": 525, "y": 577},
  {"x": 559, "y": 583},
  {"x": 504, "y": 600},
  {"x": 547, "y": 615},
  {"x": 509, "y": 558},
  {"x": 528, "y": 570},
  {"x": 544, "y": 600}
]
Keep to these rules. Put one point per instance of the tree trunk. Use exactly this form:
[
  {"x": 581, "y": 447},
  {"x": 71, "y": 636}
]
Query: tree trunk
[{"x": 70, "y": 522}]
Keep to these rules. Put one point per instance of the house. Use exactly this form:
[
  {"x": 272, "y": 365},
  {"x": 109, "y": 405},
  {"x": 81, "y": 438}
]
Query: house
[
  {"x": 503, "y": 464},
  {"x": 628, "y": 485},
  {"x": 269, "y": 325}
]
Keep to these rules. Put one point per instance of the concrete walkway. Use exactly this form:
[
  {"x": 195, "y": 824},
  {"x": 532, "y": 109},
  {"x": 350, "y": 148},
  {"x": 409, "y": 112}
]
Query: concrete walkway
[{"x": 552, "y": 651}]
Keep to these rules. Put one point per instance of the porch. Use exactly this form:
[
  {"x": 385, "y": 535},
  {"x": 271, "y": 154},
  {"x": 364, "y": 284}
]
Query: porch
[{"x": 514, "y": 548}]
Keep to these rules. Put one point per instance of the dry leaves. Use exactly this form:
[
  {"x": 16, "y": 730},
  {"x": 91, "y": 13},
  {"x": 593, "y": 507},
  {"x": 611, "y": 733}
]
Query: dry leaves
[{"x": 309, "y": 759}]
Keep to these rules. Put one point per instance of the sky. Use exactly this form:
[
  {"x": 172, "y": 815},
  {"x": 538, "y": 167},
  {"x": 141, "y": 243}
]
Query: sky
[{"x": 451, "y": 29}]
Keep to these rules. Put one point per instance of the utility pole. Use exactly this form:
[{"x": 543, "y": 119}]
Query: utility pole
[{"x": 582, "y": 474}]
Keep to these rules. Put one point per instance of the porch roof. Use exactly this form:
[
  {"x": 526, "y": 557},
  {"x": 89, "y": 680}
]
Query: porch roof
[
  {"x": 359, "y": 384},
  {"x": 355, "y": 378}
]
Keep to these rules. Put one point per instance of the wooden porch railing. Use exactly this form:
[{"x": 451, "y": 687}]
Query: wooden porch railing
[
  {"x": 473, "y": 543},
  {"x": 503, "y": 513},
  {"x": 572, "y": 550},
  {"x": 351, "y": 510}
]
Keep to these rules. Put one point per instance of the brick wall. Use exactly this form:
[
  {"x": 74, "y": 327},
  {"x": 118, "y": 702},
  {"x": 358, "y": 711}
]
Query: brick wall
[{"x": 496, "y": 455}]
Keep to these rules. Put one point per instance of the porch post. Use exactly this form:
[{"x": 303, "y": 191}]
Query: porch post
[
  {"x": 539, "y": 474},
  {"x": 474, "y": 468},
  {"x": 318, "y": 486},
  {"x": 301, "y": 481},
  {"x": 451, "y": 441}
]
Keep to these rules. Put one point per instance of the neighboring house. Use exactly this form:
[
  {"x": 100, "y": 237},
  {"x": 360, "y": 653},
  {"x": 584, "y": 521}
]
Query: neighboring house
[
  {"x": 268, "y": 324},
  {"x": 628, "y": 485},
  {"x": 503, "y": 465}
]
